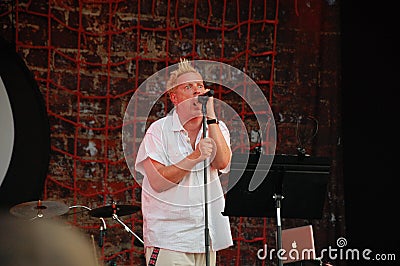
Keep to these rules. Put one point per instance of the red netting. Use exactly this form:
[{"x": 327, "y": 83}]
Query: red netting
[{"x": 91, "y": 56}]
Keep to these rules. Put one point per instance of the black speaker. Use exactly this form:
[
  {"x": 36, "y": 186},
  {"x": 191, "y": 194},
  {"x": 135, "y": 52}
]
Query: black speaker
[{"x": 25, "y": 143}]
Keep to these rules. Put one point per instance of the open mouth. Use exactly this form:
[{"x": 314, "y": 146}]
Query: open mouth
[{"x": 195, "y": 102}]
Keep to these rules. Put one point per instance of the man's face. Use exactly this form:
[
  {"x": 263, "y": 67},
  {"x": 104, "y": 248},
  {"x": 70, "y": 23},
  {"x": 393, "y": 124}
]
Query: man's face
[
  {"x": 184, "y": 97},
  {"x": 190, "y": 85}
]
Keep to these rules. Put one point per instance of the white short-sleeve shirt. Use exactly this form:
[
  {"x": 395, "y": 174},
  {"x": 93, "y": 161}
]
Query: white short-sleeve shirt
[{"x": 174, "y": 219}]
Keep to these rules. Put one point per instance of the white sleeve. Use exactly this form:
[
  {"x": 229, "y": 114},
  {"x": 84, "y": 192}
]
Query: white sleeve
[{"x": 151, "y": 147}]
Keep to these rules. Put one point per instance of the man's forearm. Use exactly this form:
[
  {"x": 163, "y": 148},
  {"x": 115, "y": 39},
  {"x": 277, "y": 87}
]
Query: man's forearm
[
  {"x": 223, "y": 152},
  {"x": 162, "y": 177}
]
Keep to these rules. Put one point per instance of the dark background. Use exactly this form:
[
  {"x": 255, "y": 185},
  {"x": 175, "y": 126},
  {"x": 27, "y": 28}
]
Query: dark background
[{"x": 370, "y": 80}]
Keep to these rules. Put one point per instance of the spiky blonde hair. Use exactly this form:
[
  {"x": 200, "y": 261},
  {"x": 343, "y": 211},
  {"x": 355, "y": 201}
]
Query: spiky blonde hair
[{"x": 184, "y": 66}]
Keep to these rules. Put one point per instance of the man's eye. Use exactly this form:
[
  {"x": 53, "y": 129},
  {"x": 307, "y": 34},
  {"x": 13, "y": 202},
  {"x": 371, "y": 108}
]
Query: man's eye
[{"x": 188, "y": 87}]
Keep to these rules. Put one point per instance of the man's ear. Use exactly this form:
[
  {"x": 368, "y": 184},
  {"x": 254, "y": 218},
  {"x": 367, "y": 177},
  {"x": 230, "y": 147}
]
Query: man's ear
[{"x": 172, "y": 97}]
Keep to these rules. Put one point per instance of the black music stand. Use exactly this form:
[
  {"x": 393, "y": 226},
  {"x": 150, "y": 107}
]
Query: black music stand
[{"x": 287, "y": 186}]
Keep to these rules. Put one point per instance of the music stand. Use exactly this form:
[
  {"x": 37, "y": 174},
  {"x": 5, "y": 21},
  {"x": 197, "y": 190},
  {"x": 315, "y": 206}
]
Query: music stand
[{"x": 289, "y": 186}]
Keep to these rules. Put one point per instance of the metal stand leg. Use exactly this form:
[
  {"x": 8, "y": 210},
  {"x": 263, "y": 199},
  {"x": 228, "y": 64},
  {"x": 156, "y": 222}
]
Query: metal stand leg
[
  {"x": 115, "y": 217},
  {"x": 278, "y": 199}
]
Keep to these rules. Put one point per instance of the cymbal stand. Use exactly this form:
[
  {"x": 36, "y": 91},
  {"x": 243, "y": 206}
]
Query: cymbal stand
[
  {"x": 80, "y": 206},
  {"x": 115, "y": 217},
  {"x": 103, "y": 227},
  {"x": 40, "y": 209}
]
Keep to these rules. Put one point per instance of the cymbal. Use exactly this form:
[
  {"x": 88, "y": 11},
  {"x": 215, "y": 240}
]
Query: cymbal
[
  {"x": 39, "y": 209},
  {"x": 109, "y": 210}
]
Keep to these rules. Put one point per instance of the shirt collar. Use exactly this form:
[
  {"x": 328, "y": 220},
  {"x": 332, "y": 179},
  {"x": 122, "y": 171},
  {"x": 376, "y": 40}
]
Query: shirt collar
[{"x": 176, "y": 123}]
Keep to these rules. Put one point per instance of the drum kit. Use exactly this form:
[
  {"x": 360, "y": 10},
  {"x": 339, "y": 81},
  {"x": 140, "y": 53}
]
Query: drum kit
[{"x": 49, "y": 209}]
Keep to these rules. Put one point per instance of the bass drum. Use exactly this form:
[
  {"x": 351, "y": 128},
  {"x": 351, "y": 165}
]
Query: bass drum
[{"x": 24, "y": 131}]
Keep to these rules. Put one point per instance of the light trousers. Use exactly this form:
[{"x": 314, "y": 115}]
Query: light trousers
[{"x": 175, "y": 258}]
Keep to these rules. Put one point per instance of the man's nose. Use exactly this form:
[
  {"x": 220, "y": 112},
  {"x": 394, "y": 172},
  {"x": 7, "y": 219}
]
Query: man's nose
[{"x": 196, "y": 90}]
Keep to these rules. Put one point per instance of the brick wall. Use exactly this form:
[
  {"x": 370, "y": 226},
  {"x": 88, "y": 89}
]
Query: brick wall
[{"x": 89, "y": 58}]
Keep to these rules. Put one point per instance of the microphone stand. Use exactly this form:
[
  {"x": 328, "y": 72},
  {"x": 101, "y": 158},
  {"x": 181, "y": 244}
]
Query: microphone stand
[{"x": 203, "y": 100}]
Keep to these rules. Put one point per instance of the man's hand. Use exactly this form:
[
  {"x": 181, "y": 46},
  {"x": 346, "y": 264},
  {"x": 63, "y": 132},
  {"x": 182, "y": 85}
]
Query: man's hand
[{"x": 205, "y": 149}]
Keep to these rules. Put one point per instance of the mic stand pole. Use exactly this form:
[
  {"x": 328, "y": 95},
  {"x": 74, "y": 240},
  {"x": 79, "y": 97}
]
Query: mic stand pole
[{"x": 203, "y": 100}]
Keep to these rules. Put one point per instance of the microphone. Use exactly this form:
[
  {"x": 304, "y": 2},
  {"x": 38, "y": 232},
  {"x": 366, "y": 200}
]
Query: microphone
[
  {"x": 209, "y": 93},
  {"x": 203, "y": 98},
  {"x": 101, "y": 236}
]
